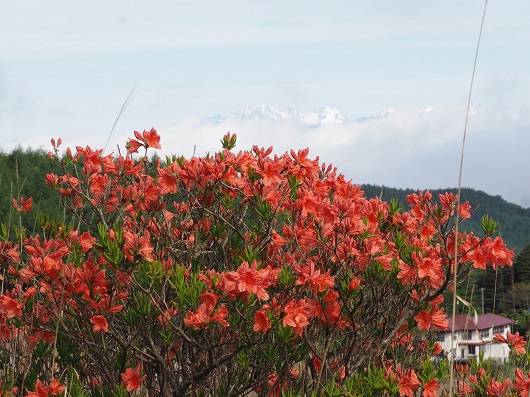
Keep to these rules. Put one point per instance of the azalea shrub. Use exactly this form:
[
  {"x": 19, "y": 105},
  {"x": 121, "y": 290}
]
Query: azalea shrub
[{"x": 230, "y": 274}]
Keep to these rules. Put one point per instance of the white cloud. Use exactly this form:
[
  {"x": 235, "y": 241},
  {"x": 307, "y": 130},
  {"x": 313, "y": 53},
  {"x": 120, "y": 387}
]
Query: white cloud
[
  {"x": 405, "y": 148},
  {"x": 66, "y": 67}
]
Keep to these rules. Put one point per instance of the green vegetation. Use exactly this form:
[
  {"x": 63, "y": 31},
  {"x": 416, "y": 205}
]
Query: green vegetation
[
  {"x": 23, "y": 174},
  {"x": 298, "y": 288},
  {"x": 503, "y": 291},
  {"x": 514, "y": 221},
  {"x": 507, "y": 290}
]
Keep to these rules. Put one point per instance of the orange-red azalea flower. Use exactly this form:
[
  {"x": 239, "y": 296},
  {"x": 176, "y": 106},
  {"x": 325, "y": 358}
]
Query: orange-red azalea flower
[
  {"x": 515, "y": 341},
  {"x": 430, "y": 388},
  {"x": 437, "y": 318},
  {"x": 409, "y": 383},
  {"x": 131, "y": 378},
  {"x": 100, "y": 324},
  {"x": 261, "y": 321}
]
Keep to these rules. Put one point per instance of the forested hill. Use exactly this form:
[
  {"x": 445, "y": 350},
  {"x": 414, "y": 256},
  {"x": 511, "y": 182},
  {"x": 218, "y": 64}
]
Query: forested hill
[
  {"x": 514, "y": 221},
  {"x": 23, "y": 173}
]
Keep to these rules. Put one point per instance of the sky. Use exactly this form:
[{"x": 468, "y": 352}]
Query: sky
[{"x": 67, "y": 68}]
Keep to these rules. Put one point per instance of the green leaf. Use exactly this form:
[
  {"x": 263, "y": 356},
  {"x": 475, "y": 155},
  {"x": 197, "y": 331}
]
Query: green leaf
[
  {"x": 395, "y": 208},
  {"x": 285, "y": 333},
  {"x": 187, "y": 289},
  {"x": 167, "y": 336},
  {"x": 286, "y": 276},
  {"x": 242, "y": 359},
  {"x": 250, "y": 254},
  {"x": 489, "y": 225},
  {"x": 4, "y": 235},
  {"x": 143, "y": 304},
  {"x": 119, "y": 391},
  {"x": 155, "y": 271}
]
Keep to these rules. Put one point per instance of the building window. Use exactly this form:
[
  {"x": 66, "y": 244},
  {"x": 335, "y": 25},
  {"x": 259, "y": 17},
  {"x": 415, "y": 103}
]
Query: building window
[
  {"x": 471, "y": 350},
  {"x": 440, "y": 337},
  {"x": 485, "y": 333},
  {"x": 498, "y": 330},
  {"x": 467, "y": 335}
]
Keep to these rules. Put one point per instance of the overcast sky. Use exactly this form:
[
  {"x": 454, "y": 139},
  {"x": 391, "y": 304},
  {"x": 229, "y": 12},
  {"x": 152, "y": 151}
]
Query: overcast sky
[{"x": 66, "y": 68}]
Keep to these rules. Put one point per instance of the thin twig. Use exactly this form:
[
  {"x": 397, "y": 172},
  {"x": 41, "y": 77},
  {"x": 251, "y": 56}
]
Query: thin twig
[
  {"x": 452, "y": 361},
  {"x": 125, "y": 105}
]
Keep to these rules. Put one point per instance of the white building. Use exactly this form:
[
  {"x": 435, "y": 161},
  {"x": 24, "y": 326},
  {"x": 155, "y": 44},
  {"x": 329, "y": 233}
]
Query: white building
[{"x": 470, "y": 339}]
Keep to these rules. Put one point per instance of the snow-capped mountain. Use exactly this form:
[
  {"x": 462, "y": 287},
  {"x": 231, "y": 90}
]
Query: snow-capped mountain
[
  {"x": 263, "y": 112},
  {"x": 373, "y": 117},
  {"x": 329, "y": 115},
  {"x": 326, "y": 115}
]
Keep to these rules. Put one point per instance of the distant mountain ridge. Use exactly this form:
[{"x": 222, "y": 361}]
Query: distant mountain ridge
[{"x": 325, "y": 115}]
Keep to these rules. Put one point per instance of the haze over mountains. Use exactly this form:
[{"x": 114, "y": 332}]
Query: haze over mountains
[
  {"x": 325, "y": 115},
  {"x": 418, "y": 148},
  {"x": 397, "y": 147}
]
